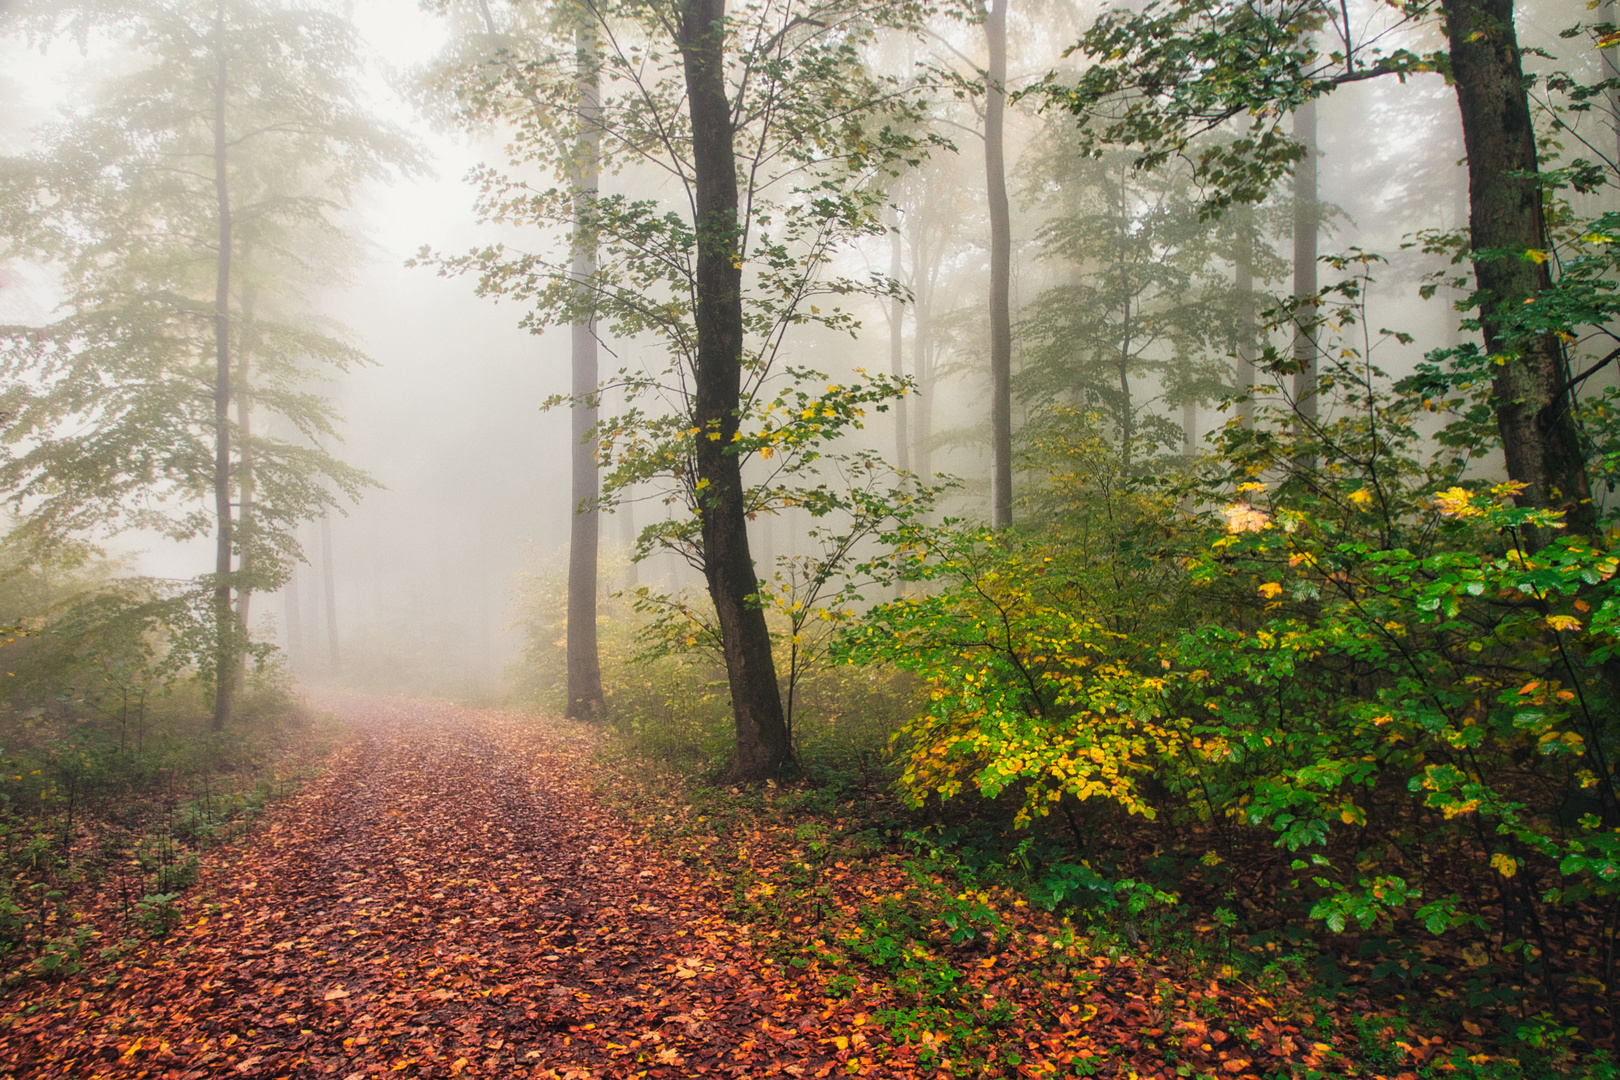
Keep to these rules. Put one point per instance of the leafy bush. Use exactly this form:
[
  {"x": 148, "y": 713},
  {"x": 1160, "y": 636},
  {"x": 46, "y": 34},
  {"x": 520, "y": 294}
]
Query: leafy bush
[{"x": 1319, "y": 641}]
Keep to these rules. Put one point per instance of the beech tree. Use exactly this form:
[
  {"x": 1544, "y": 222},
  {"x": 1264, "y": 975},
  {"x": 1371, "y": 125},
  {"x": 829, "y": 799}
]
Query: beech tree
[
  {"x": 995, "y": 169},
  {"x": 768, "y": 130},
  {"x": 185, "y": 212}
]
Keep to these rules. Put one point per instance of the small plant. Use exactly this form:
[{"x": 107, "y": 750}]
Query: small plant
[
  {"x": 157, "y": 914},
  {"x": 62, "y": 955}
]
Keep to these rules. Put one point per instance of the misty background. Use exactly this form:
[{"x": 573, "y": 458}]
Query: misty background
[{"x": 448, "y": 418}]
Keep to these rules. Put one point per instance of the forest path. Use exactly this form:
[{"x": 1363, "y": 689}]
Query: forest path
[{"x": 447, "y": 899}]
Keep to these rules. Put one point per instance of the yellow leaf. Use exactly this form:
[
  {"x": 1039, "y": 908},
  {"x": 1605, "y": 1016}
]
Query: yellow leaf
[
  {"x": 1242, "y": 517},
  {"x": 1563, "y": 622},
  {"x": 1504, "y": 864},
  {"x": 1270, "y": 589},
  {"x": 1456, "y": 502}
]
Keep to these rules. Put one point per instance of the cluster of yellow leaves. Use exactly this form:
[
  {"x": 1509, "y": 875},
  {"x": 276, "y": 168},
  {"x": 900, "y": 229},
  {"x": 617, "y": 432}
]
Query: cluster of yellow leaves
[{"x": 1097, "y": 728}]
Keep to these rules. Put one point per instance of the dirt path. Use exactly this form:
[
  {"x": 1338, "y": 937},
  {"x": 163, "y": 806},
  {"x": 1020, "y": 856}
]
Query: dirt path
[{"x": 446, "y": 900}]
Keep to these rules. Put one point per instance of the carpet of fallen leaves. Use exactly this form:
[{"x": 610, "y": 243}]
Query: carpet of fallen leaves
[{"x": 450, "y": 899}]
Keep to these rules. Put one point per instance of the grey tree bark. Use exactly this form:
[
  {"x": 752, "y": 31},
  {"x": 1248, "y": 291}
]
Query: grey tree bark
[
  {"x": 225, "y": 629},
  {"x": 1243, "y": 286},
  {"x": 924, "y": 261},
  {"x": 625, "y": 511},
  {"x": 1611, "y": 70},
  {"x": 292, "y": 613},
  {"x": 329, "y": 581},
  {"x": 995, "y": 167},
  {"x": 244, "y": 484},
  {"x": 1307, "y": 223},
  {"x": 585, "y": 697},
  {"x": 897, "y": 360}
]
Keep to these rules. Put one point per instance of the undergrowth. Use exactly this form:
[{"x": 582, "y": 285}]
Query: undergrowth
[
  {"x": 101, "y": 831},
  {"x": 856, "y": 894},
  {"x": 954, "y": 885}
]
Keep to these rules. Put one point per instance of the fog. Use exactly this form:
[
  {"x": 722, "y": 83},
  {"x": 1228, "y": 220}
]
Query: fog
[{"x": 447, "y": 417}]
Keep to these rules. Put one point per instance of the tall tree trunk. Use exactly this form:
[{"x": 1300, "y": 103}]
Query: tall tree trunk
[
  {"x": 1307, "y": 223},
  {"x": 922, "y": 366},
  {"x": 767, "y": 546},
  {"x": 1127, "y": 409},
  {"x": 584, "y": 663},
  {"x": 995, "y": 170},
  {"x": 244, "y": 481},
  {"x": 1611, "y": 70},
  {"x": 897, "y": 361},
  {"x": 1243, "y": 286},
  {"x": 292, "y": 612},
  {"x": 329, "y": 581},
  {"x": 1540, "y": 438},
  {"x": 756, "y": 701},
  {"x": 224, "y": 615},
  {"x": 625, "y": 511}
]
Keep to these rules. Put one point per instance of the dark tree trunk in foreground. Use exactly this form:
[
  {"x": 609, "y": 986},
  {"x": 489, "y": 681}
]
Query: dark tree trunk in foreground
[
  {"x": 1540, "y": 438},
  {"x": 584, "y": 663},
  {"x": 995, "y": 168},
  {"x": 225, "y": 643},
  {"x": 756, "y": 703}
]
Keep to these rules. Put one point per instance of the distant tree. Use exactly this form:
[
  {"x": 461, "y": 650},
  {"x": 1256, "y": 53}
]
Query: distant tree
[
  {"x": 1143, "y": 301},
  {"x": 768, "y": 129},
  {"x": 184, "y": 212}
]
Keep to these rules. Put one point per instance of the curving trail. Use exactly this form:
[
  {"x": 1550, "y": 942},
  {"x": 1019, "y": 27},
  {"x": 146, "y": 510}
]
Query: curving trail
[{"x": 446, "y": 899}]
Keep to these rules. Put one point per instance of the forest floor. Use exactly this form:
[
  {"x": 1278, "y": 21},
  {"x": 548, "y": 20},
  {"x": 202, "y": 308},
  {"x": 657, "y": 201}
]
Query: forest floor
[{"x": 451, "y": 898}]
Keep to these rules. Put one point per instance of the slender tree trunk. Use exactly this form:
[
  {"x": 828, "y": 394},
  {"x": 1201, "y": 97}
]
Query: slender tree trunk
[
  {"x": 897, "y": 361},
  {"x": 329, "y": 581},
  {"x": 244, "y": 484},
  {"x": 1611, "y": 70},
  {"x": 1459, "y": 222},
  {"x": 1540, "y": 438},
  {"x": 1127, "y": 408},
  {"x": 625, "y": 511},
  {"x": 224, "y": 615},
  {"x": 1243, "y": 286},
  {"x": 584, "y": 663},
  {"x": 756, "y": 701},
  {"x": 293, "y": 613},
  {"x": 1307, "y": 223},
  {"x": 922, "y": 290},
  {"x": 995, "y": 169}
]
